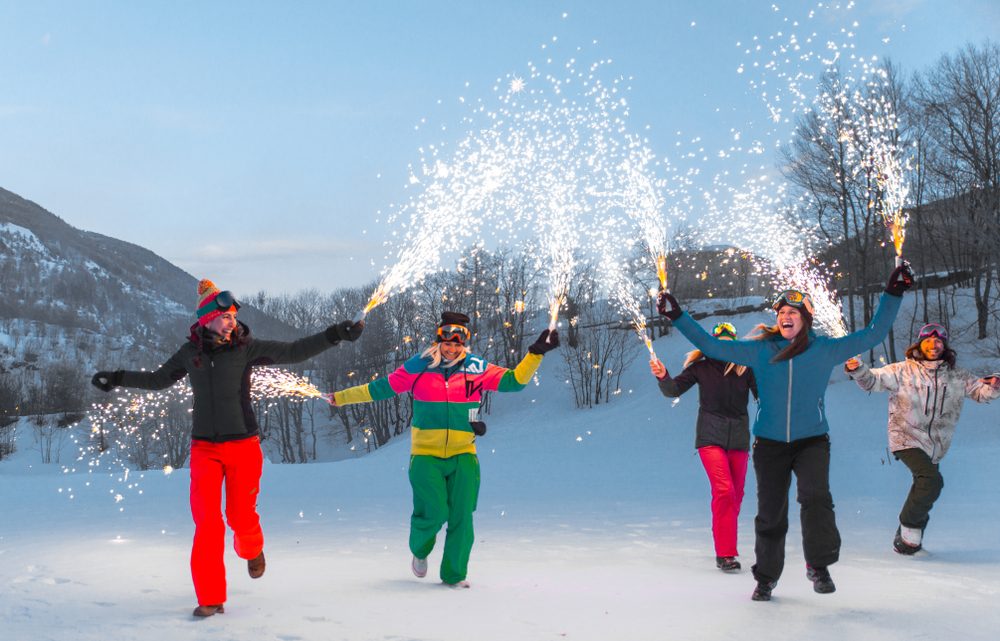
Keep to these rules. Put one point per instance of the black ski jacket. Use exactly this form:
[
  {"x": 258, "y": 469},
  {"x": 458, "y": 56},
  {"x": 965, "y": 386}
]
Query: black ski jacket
[
  {"x": 722, "y": 402},
  {"x": 220, "y": 377}
]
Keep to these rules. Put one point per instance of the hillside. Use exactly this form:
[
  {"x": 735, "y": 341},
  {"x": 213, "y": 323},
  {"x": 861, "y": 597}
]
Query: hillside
[
  {"x": 73, "y": 299},
  {"x": 592, "y": 525}
]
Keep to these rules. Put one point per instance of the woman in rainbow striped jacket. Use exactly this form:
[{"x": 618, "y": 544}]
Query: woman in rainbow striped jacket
[{"x": 447, "y": 382}]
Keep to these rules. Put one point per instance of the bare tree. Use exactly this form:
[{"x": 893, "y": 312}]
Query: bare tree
[{"x": 959, "y": 97}]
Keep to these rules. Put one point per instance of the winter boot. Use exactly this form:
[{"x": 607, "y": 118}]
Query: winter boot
[
  {"x": 419, "y": 567},
  {"x": 727, "y": 563},
  {"x": 208, "y": 610},
  {"x": 460, "y": 584},
  {"x": 901, "y": 543},
  {"x": 822, "y": 583},
  {"x": 256, "y": 566},
  {"x": 763, "y": 590}
]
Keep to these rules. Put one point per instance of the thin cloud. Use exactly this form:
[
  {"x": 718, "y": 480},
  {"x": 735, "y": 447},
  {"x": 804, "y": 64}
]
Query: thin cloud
[{"x": 280, "y": 248}]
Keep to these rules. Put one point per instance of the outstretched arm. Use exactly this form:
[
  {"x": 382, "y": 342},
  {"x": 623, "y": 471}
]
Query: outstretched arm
[
  {"x": 983, "y": 390},
  {"x": 401, "y": 380},
  {"x": 739, "y": 352},
  {"x": 280, "y": 352},
  {"x": 167, "y": 374},
  {"x": 900, "y": 280},
  {"x": 673, "y": 387},
  {"x": 742, "y": 352},
  {"x": 502, "y": 379},
  {"x": 864, "y": 339},
  {"x": 882, "y": 379}
]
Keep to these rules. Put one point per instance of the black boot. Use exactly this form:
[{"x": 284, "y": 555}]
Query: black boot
[
  {"x": 727, "y": 563},
  {"x": 822, "y": 583},
  {"x": 763, "y": 590}
]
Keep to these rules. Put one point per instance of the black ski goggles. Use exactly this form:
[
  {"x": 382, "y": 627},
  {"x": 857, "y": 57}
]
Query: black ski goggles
[
  {"x": 222, "y": 302},
  {"x": 453, "y": 334},
  {"x": 796, "y": 299},
  {"x": 932, "y": 330}
]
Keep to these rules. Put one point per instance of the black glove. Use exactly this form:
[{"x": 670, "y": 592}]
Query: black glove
[
  {"x": 547, "y": 342},
  {"x": 478, "y": 428},
  {"x": 345, "y": 331},
  {"x": 900, "y": 280},
  {"x": 107, "y": 381},
  {"x": 665, "y": 298}
]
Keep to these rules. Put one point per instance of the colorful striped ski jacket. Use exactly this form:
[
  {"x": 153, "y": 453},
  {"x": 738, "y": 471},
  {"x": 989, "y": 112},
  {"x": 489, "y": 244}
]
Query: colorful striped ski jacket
[{"x": 444, "y": 399}]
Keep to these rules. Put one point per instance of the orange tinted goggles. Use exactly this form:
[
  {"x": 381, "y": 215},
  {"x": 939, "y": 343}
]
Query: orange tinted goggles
[{"x": 453, "y": 334}]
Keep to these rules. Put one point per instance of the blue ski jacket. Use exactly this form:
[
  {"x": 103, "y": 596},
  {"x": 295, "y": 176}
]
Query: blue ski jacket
[{"x": 793, "y": 392}]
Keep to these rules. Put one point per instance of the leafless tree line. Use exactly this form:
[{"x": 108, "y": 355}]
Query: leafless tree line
[{"x": 949, "y": 122}]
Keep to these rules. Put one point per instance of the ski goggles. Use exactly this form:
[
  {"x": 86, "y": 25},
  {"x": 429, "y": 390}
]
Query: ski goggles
[
  {"x": 223, "y": 301},
  {"x": 453, "y": 334},
  {"x": 931, "y": 330},
  {"x": 796, "y": 299},
  {"x": 724, "y": 329}
]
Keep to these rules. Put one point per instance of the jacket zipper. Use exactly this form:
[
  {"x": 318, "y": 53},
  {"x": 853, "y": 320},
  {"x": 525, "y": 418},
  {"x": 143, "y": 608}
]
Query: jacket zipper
[
  {"x": 930, "y": 423},
  {"x": 211, "y": 395},
  {"x": 447, "y": 415},
  {"x": 788, "y": 421}
]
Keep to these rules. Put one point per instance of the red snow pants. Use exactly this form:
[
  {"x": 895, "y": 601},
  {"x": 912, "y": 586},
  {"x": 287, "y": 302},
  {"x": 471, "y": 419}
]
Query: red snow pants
[
  {"x": 727, "y": 472},
  {"x": 238, "y": 464}
]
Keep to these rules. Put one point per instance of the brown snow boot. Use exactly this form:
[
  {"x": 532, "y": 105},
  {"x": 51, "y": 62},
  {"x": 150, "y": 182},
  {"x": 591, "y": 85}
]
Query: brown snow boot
[
  {"x": 256, "y": 565},
  {"x": 208, "y": 610}
]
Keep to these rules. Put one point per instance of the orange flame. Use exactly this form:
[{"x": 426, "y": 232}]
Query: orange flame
[
  {"x": 379, "y": 296},
  {"x": 554, "y": 310},
  {"x": 898, "y": 235},
  {"x": 661, "y": 270}
]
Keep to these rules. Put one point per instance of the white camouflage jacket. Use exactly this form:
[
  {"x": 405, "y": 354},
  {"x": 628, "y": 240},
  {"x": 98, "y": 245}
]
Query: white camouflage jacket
[{"x": 925, "y": 401}]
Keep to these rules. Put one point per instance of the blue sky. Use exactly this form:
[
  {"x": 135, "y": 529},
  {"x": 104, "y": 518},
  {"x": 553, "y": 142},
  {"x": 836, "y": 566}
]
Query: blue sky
[{"x": 254, "y": 142}]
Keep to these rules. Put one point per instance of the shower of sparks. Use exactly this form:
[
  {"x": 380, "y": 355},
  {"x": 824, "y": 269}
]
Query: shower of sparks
[
  {"x": 621, "y": 292},
  {"x": 139, "y": 427},
  {"x": 761, "y": 222},
  {"x": 542, "y": 162},
  {"x": 272, "y": 382},
  {"x": 856, "y": 107}
]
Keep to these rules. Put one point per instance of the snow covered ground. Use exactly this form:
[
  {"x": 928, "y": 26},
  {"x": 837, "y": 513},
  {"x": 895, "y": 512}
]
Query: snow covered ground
[{"x": 591, "y": 525}]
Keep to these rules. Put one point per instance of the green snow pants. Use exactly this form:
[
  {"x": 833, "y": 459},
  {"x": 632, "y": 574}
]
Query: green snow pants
[{"x": 445, "y": 490}]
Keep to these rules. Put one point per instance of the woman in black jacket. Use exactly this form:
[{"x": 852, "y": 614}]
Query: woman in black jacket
[
  {"x": 225, "y": 447},
  {"x": 722, "y": 434}
]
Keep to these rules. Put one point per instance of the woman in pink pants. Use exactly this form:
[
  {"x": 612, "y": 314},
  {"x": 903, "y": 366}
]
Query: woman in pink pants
[{"x": 722, "y": 436}]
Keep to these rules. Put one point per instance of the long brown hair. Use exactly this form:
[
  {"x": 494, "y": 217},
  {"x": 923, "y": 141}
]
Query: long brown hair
[
  {"x": 794, "y": 348},
  {"x": 913, "y": 352}
]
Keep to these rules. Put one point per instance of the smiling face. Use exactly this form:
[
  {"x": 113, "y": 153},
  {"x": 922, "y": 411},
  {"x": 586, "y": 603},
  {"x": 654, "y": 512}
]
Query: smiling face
[
  {"x": 932, "y": 348},
  {"x": 223, "y": 324},
  {"x": 790, "y": 322},
  {"x": 450, "y": 350}
]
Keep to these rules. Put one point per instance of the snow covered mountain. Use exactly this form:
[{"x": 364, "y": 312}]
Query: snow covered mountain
[{"x": 74, "y": 299}]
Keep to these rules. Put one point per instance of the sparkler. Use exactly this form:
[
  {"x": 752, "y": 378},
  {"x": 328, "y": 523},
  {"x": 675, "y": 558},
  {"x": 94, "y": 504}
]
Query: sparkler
[{"x": 142, "y": 428}]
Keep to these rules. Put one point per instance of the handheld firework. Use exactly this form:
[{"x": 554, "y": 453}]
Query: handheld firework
[{"x": 379, "y": 296}]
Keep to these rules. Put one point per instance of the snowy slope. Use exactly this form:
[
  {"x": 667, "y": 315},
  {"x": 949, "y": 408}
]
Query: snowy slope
[{"x": 591, "y": 525}]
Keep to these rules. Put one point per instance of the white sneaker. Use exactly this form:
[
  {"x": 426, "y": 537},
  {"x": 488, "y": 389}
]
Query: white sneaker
[
  {"x": 419, "y": 567},
  {"x": 460, "y": 584},
  {"x": 911, "y": 536}
]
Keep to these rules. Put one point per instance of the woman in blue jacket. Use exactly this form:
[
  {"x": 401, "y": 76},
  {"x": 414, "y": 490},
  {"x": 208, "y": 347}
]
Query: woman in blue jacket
[{"x": 793, "y": 366}]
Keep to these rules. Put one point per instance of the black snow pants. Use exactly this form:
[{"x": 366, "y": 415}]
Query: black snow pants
[
  {"x": 773, "y": 463},
  {"x": 926, "y": 488}
]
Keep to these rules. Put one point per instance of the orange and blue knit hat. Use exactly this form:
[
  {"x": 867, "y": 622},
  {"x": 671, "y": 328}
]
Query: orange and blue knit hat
[{"x": 212, "y": 303}]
